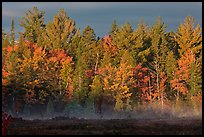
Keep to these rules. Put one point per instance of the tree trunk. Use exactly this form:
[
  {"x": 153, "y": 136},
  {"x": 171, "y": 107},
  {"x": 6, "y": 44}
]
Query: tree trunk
[
  {"x": 96, "y": 66},
  {"x": 162, "y": 100},
  {"x": 149, "y": 84}
]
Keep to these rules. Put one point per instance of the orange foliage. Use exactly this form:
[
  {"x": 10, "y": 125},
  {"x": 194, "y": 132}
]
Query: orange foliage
[
  {"x": 182, "y": 73},
  {"x": 108, "y": 45}
]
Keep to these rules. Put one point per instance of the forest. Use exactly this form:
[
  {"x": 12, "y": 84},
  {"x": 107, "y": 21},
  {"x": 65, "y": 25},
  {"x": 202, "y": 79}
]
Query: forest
[{"x": 56, "y": 68}]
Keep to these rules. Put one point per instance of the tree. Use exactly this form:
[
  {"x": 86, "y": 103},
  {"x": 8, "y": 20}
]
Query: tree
[
  {"x": 114, "y": 28},
  {"x": 184, "y": 75},
  {"x": 128, "y": 59},
  {"x": 80, "y": 82},
  {"x": 109, "y": 51},
  {"x": 122, "y": 41},
  {"x": 67, "y": 76},
  {"x": 96, "y": 87},
  {"x": 117, "y": 83},
  {"x": 10, "y": 71},
  {"x": 60, "y": 31},
  {"x": 88, "y": 36},
  {"x": 170, "y": 67},
  {"x": 5, "y": 41},
  {"x": 87, "y": 56},
  {"x": 140, "y": 49},
  {"x": 33, "y": 24},
  {"x": 189, "y": 37},
  {"x": 195, "y": 80},
  {"x": 12, "y": 33},
  {"x": 97, "y": 93},
  {"x": 159, "y": 51}
]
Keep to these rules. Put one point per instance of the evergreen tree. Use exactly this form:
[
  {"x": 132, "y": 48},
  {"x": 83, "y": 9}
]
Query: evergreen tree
[
  {"x": 189, "y": 37},
  {"x": 60, "y": 31},
  {"x": 80, "y": 82},
  {"x": 33, "y": 24},
  {"x": 114, "y": 29},
  {"x": 12, "y": 33},
  {"x": 122, "y": 39},
  {"x": 106, "y": 59},
  {"x": 89, "y": 47},
  {"x": 96, "y": 86},
  {"x": 171, "y": 65},
  {"x": 195, "y": 80},
  {"x": 159, "y": 51},
  {"x": 140, "y": 49},
  {"x": 128, "y": 59},
  {"x": 88, "y": 36}
]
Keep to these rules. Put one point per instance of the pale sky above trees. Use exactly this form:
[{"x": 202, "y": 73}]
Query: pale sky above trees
[{"x": 100, "y": 15}]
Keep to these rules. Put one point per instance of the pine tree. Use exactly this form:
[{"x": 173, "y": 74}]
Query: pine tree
[
  {"x": 33, "y": 24},
  {"x": 195, "y": 80},
  {"x": 88, "y": 36},
  {"x": 89, "y": 47},
  {"x": 170, "y": 67},
  {"x": 114, "y": 28},
  {"x": 96, "y": 87},
  {"x": 80, "y": 82},
  {"x": 122, "y": 41},
  {"x": 189, "y": 37},
  {"x": 60, "y": 31},
  {"x": 159, "y": 51},
  {"x": 106, "y": 59},
  {"x": 140, "y": 49},
  {"x": 12, "y": 33},
  {"x": 128, "y": 59}
]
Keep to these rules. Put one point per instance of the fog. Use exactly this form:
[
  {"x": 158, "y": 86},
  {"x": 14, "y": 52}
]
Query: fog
[{"x": 142, "y": 112}]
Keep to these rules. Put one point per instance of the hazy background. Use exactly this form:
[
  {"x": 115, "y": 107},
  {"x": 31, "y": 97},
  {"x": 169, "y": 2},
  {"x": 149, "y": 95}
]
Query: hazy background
[{"x": 100, "y": 15}]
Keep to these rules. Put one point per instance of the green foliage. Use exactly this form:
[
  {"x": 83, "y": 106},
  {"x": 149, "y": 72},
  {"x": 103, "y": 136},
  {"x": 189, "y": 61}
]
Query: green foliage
[
  {"x": 12, "y": 33},
  {"x": 60, "y": 31},
  {"x": 128, "y": 59},
  {"x": 96, "y": 87},
  {"x": 56, "y": 60},
  {"x": 119, "y": 105},
  {"x": 140, "y": 50},
  {"x": 189, "y": 37},
  {"x": 114, "y": 28},
  {"x": 195, "y": 80},
  {"x": 33, "y": 24},
  {"x": 171, "y": 64}
]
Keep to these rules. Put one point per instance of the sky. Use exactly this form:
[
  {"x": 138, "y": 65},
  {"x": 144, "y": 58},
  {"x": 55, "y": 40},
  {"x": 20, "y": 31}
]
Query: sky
[{"x": 100, "y": 15}]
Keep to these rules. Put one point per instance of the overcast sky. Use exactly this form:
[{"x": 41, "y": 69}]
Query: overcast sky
[{"x": 100, "y": 15}]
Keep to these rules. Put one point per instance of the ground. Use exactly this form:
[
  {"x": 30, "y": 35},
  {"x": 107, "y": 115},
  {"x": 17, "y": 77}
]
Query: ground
[{"x": 66, "y": 126}]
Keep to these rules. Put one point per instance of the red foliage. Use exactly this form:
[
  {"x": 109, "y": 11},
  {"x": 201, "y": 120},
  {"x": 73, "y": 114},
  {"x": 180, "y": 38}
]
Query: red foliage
[
  {"x": 58, "y": 55},
  {"x": 90, "y": 73},
  {"x": 6, "y": 120},
  {"x": 108, "y": 45}
]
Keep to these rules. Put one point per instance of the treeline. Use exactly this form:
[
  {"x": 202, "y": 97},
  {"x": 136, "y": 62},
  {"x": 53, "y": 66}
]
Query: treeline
[{"x": 55, "y": 64}]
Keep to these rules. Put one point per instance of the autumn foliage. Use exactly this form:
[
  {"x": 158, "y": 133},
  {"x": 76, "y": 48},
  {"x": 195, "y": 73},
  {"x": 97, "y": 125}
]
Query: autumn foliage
[{"x": 122, "y": 69}]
